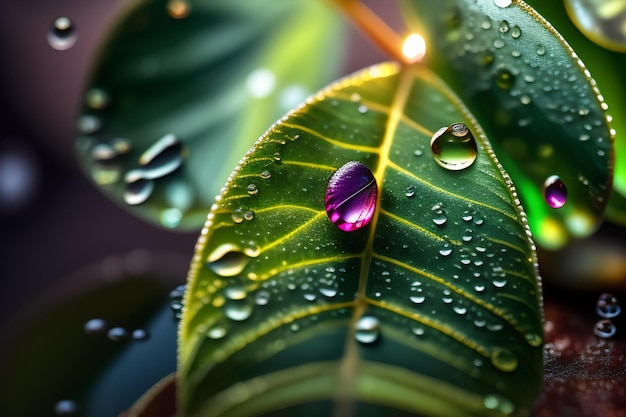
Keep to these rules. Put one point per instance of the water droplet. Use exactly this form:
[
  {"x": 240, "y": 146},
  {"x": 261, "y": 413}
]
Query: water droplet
[
  {"x": 162, "y": 158},
  {"x": 261, "y": 83},
  {"x": 607, "y": 306},
  {"x": 89, "y": 124},
  {"x": 217, "y": 332},
  {"x": 504, "y": 27},
  {"x": 605, "y": 328},
  {"x": 117, "y": 334},
  {"x": 467, "y": 235},
  {"x": 97, "y": 99},
  {"x": 62, "y": 34},
  {"x": 505, "y": 79},
  {"x": 459, "y": 310},
  {"x": 252, "y": 189},
  {"x": 262, "y": 298},
  {"x": 140, "y": 334},
  {"x": 418, "y": 152},
  {"x": 227, "y": 260},
  {"x": 497, "y": 402},
  {"x": 503, "y": 3},
  {"x": 236, "y": 293},
  {"x": 138, "y": 192},
  {"x": 238, "y": 310},
  {"x": 410, "y": 191},
  {"x": 555, "y": 192},
  {"x": 248, "y": 215},
  {"x": 178, "y": 9},
  {"x": 541, "y": 50},
  {"x": 446, "y": 250},
  {"x": 534, "y": 339},
  {"x": 95, "y": 326},
  {"x": 265, "y": 174},
  {"x": 367, "y": 329},
  {"x": 602, "y": 22},
  {"x": 440, "y": 216},
  {"x": 237, "y": 216},
  {"x": 363, "y": 109},
  {"x": 454, "y": 147},
  {"x": 350, "y": 198},
  {"x": 66, "y": 408},
  {"x": 504, "y": 360},
  {"x": 516, "y": 32},
  {"x": 416, "y": 293}
]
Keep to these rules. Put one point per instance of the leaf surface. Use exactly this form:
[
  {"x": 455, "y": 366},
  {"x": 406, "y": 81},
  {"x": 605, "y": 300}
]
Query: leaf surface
[
  {"x": 433, "y": 308},
  {"x": 180, "y": 87},
  {"x": 536, "y": 100}
]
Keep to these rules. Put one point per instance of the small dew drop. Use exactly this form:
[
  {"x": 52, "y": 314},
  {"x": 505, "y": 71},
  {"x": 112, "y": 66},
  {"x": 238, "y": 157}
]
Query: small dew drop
[
  {"x": 534, "y": 339},
  {"x": 607, "y": 306},
  {"x": 446, "y": 250},
  {"x": 555, "y": 192},
  {"x": 62, "y": 34},
  {"x": 363, "y": 109},
  {"x": 454, "y": 147},
  {"x": 237, "y": 216},
  {"x": 440, "y": 216},
  {"x": 350, "y": 198},
  {"x": 140, "y": 334},
  {"x": 252, "y": 189},
  {"x": 217, "y": 332},
  {"x": 238, "y": 310},
  {"x": 66, "y": 408},
  {"x": 499, "y": 403},
  {"x": 95, "y": 326},
  {"x": 410, "y": 191},
  {"x": 505, "y": 79},
  {"x": 97, "y": 99},
  {"x": 503, "y": 3},
  {"x": 117, "y": 334},
  {"x": 504, "y": 360},
  {"x": 367, "y": 330},
  {"x": 541, "y": 50},
  {"x": 265, "y": 174},
  {"x": 417, "y": 296},
  {"x": 605, "y": 328},
  {"x": 161, "y": 158},
  {"x": 516, "y": 32}
]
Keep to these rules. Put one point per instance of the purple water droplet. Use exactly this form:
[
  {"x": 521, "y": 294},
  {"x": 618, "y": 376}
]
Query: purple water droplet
[
  {"x": 350, "y": 197},
  {"x": 555, "y": 192}
]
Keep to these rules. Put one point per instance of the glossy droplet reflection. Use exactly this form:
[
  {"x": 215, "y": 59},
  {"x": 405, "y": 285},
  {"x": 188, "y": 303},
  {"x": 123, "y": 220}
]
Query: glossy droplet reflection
[
  {"x": 607, "y": 306},
  {"x": 454, "y": 147},
  {"x": 601, "y": 21},
  {"x": 555, "y": 192},
  {"x": 350, "y": 198},
  {"x": 62, "y": 34},
  {"x": 367, "y": 329},
  {"x": 605, "y": 328},
  {"x": 228, "y": 260}
]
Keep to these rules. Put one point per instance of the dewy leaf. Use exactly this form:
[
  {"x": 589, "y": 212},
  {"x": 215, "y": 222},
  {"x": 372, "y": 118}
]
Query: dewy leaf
[
  {"x": 537, "y": 102},
  {"x": 606, "y": 66},
  {"x": 180, "y": 87},
  {"x": 431, "y": 308}
]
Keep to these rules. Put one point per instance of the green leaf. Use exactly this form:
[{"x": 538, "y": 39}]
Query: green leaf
[
  {"x": 535, "y": 99},
  {"x": 606, "y": 66},
  {"x": 445, "y": 270},
  {"x": 180, "y": 87}
]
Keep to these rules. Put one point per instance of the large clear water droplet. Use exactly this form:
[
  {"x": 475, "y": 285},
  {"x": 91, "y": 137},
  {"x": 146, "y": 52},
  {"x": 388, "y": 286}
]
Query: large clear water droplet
[
  {"x": 350, "y": 198},
  {"x": 601, "y": 21},
  {"x": 454, "y": 147},
  {"x": 228, "y": 260},
  {"x": 607, "y": 306},
  {"x": 605, "y": 328},
  {"x": 367, "y": 329},
  {"x": 62, "y": 34},
  {"x": 555, "y": 192},
  {"x": 95, "y": 326},
  {"x": 238, "y": 310}
]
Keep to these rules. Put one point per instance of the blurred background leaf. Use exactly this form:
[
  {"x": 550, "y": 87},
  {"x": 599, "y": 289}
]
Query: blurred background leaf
[{"x": 182, "y": 88}]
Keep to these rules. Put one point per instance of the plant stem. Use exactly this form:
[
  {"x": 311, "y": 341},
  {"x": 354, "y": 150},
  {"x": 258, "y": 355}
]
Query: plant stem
[{"x": 374, "y": 28}]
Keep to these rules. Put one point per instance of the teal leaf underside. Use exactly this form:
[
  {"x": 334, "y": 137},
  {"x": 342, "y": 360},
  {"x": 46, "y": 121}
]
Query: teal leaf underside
[{"x": 412, "y": 315}]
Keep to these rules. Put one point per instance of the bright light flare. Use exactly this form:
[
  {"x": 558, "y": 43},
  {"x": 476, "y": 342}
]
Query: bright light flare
[{"x": 414, "y": 47}]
